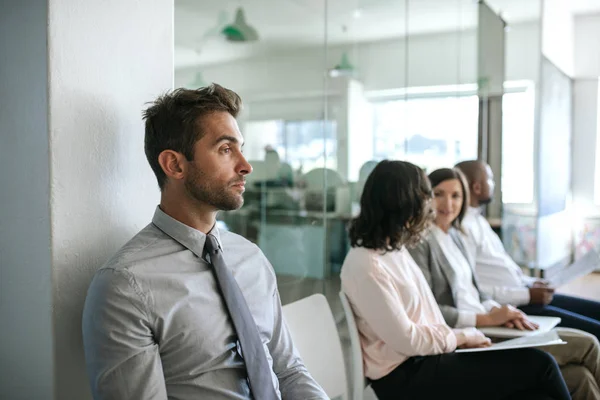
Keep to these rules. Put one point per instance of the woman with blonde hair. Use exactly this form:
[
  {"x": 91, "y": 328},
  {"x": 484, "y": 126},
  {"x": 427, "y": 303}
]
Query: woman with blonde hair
[{"x": 449, "y": 271}]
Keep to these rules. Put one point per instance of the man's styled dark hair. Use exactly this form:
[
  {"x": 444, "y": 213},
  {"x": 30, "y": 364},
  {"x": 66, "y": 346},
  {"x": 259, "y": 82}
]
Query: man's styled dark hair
[
  {"x": 445, "y": 174},
  {"x": 174, "y": 121},
  {"x": 394, "y": 207}
]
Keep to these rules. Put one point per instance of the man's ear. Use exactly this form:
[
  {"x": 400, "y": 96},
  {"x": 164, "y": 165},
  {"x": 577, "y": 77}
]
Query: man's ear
[
  {"x": 476, "y": 188},
  {"x": 172, "y": 163}
]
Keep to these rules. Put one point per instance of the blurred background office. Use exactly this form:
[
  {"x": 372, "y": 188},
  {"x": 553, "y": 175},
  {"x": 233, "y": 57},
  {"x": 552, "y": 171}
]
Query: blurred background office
[{"x": 330, "y": 88}]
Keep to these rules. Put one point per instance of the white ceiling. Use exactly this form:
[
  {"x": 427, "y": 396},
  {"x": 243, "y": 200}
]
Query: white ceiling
[{"x": 284, "y": 24}]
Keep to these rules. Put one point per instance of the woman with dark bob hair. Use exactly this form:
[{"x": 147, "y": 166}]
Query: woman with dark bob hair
[{"x": 408, "y": 349}]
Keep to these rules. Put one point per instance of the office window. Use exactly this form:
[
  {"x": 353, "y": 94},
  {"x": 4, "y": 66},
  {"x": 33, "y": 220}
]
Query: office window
[
  {"x": 304, "y": 145},
  {"x": 518, "y": 112},
  {"x": 431, "y": 132}
]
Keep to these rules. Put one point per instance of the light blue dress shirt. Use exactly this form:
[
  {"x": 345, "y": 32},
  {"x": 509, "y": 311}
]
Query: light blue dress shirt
[{"x": 156, "y": 327}]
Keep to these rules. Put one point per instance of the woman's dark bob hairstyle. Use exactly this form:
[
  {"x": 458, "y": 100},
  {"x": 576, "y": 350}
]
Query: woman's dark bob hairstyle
[{"x": 395, "y": 207}]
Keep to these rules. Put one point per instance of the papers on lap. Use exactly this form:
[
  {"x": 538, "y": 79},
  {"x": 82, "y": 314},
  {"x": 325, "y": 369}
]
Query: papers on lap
[
  {"x": 541, "y": 339},
  {"x": 545, "y": 323}
]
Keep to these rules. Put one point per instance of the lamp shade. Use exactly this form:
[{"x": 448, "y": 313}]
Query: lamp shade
[{"x": 240, "y": 31}]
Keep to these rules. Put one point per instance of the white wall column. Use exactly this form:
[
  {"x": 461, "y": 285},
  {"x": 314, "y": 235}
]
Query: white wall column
[
  {"x": 104, "y": 59},
  {"x": 585, "y": 130},
  {"x": 26, "y": 347},
  {"x": 558, "y": 35}
]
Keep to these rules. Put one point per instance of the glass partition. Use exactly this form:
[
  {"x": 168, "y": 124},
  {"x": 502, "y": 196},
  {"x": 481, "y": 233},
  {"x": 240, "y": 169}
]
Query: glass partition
[
  {"x": 330, "y": 88},
  {"x": 429, "y": 142},
  {"x": 519, "y": 137}
]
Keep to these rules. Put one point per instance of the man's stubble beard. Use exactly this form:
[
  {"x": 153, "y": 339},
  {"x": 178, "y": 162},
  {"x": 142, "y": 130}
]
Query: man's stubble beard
[
  {"x": 486, "y": 201},
  {"x": 203, "y": 191}
]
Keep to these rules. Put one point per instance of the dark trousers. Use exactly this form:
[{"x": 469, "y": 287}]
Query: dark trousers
[
  {"x": 574, "y": 312},
  {"x": 493, "y": 375}
]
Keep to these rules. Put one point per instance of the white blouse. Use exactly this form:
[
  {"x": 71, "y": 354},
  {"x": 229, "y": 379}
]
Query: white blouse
[{"x": 467, "y": 296}]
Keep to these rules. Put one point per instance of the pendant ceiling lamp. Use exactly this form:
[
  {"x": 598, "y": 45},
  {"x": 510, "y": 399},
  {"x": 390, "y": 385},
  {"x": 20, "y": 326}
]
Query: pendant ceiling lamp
[
  {"x": 343, "y": 68},
  {"x": 240, "y": 31}
]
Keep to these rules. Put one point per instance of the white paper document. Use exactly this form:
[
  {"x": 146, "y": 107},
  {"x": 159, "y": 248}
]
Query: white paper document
[
  {"x": 583, "y": 266},
  {"x": 546, "y": 324},
  {"x": 543, "y": 339}
]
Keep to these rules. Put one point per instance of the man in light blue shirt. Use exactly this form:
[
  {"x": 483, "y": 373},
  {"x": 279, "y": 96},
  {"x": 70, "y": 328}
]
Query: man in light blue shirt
[{"x": 155, "y": 324}]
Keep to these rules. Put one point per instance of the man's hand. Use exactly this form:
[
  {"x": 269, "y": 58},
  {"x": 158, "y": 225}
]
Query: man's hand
[
  {"x": 498, "y": 316},
  {"x": 540, "y": 295},
  {"x": 470, "y": 338},
  {"x": 541, "y": 283}
]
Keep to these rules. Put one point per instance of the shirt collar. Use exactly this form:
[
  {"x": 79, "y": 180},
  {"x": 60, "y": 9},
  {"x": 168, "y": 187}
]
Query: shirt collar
[
  {"x": 475, "y": 210},
  {"x": 439, "y": 234},
  {"x": 437, "y": 230},
  {"x": 187, "y": 236}
]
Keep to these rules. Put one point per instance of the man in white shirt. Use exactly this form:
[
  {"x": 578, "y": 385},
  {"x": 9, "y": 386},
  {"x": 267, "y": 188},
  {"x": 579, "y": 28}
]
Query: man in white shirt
[{"x": 501, "y": 277}]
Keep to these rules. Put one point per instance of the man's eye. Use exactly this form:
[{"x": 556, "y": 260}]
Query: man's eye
[{"x": 226, "y": 150}]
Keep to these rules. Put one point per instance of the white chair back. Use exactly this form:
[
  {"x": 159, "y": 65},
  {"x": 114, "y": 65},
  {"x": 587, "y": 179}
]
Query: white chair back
[
  {"x": 315, "y": 335},
  {"x": 357, "y": 376},
  {"x": 316, "y": 178}
]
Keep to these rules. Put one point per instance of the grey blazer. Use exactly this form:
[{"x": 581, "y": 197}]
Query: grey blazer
[{"x": 440, "y": 275}]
